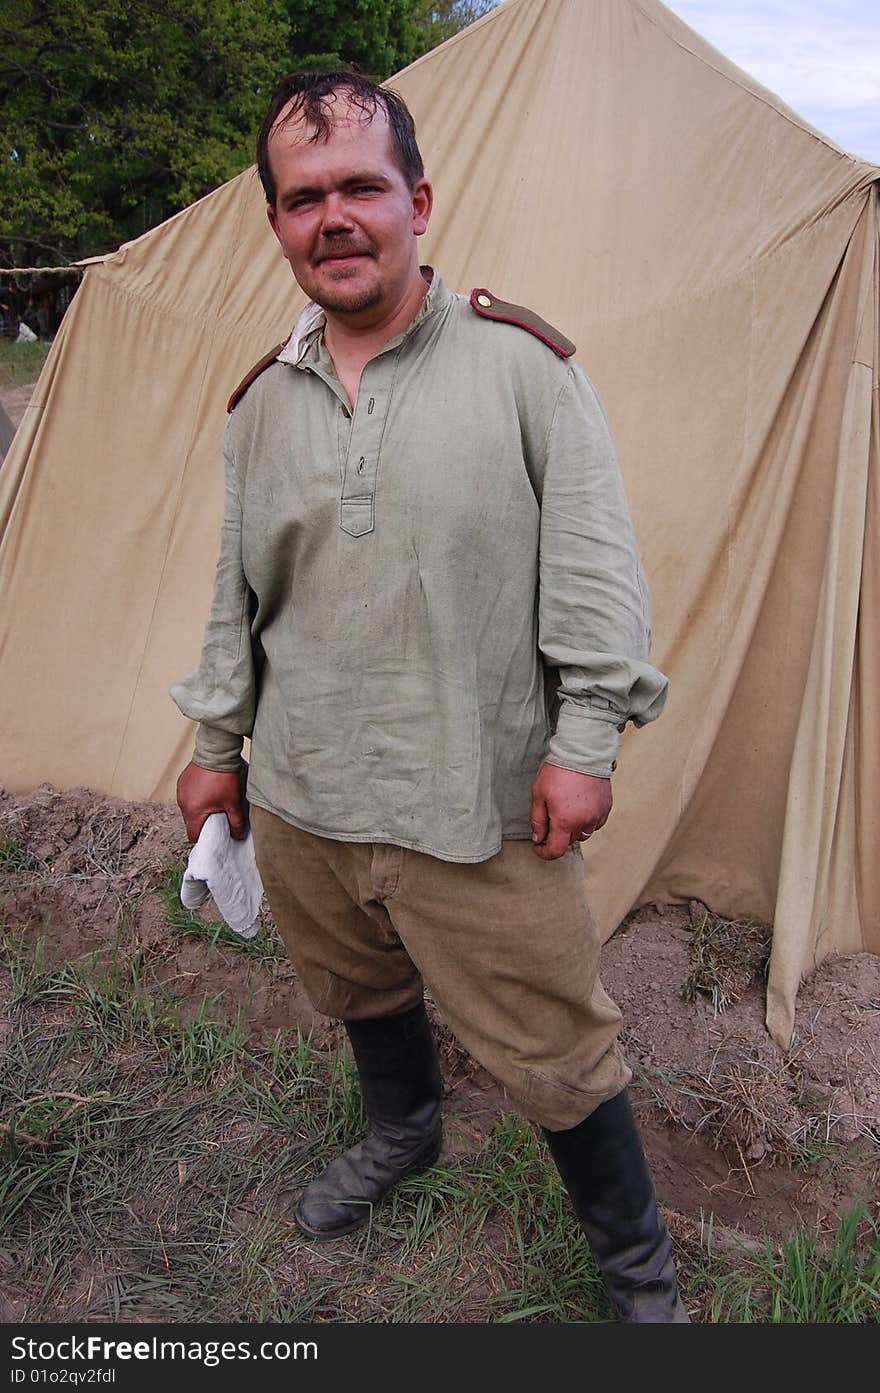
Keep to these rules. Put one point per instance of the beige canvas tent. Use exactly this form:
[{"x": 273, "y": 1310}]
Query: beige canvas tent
[{"x": 716, "y": 261}]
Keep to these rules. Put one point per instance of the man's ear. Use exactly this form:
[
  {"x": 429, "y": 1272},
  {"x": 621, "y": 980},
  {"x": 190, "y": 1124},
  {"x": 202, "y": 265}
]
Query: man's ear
[
  {"x": 422, "y": 202},
  {"x": 273, "y": 221}
]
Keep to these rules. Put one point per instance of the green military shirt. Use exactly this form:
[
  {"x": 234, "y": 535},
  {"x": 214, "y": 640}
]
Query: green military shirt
[{"x": 419, "y": 600}]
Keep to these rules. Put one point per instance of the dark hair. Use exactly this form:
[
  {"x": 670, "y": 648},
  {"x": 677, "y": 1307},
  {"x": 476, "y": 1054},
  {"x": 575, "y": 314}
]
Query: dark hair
[{"x": 311, "y": 96}]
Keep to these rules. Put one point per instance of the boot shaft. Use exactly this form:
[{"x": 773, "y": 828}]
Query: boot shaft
[
  {"x": 399, "y": 1071},
  {"x": 604, "y": 1170}
]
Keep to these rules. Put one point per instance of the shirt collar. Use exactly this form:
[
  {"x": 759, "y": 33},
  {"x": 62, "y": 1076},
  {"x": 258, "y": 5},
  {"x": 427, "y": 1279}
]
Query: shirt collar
[{"x": 309, "y": 328}]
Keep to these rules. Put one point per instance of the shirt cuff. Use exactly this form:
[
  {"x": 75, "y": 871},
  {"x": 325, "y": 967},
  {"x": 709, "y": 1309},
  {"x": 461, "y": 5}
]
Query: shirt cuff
[
  {"x": 217, "y": 750},
  {"x": 585, "y": 743}
]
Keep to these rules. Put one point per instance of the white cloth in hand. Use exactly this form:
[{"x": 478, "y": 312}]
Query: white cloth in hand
[{"x": 219, "y": 865}]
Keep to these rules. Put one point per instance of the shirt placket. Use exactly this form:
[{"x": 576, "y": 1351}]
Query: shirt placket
[{"x": 357, "y": 505}]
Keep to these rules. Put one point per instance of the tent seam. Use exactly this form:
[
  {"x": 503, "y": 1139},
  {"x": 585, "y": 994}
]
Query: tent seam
[{"x": 145, "y": 297}]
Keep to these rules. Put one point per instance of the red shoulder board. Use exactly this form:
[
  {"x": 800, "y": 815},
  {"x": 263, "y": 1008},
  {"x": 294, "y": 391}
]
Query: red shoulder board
[
  {"x": 490, "y": 307},
  {"x": 252, "y": 377}
]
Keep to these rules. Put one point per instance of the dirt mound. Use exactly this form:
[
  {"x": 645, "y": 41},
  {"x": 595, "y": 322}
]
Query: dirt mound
[
  {"x": 735, "y": 1129},
  {"x": 762, "y": 1139}
]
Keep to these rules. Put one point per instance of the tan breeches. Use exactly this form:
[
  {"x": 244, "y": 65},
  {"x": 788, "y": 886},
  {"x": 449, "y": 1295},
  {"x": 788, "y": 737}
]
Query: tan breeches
[{"x": 507, "y": 948}]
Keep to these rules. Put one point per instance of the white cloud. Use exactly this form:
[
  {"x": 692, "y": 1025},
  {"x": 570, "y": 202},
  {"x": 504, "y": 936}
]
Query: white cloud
[{"x": 823, "y": 60}]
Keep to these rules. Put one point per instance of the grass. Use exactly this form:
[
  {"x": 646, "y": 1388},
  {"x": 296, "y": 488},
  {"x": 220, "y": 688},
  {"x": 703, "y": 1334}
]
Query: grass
[
  {"x": 21, "y": 362},
  {"x": 266, "y": 947},
  {"x": 806, "y": 1283},
  {"x": 727, "y": 956},
  {"x": 164, "y": 1146},
  {"x": 153, "y": 1149},
  {"x": 152, "y": 1161},
  {"x": 750, "y": 1106},
  {"x": 15, "y": 859}
]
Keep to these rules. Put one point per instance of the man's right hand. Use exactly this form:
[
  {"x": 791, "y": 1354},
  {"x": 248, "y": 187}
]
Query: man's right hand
[{"x": 201, "y": 792}]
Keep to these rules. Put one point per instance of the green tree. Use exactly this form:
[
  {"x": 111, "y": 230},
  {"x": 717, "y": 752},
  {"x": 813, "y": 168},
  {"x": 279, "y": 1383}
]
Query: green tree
[
  {"x": 377, "y": 36},
  {"x": 438, "y": 22},
  {"x": 116, "y": 113}
]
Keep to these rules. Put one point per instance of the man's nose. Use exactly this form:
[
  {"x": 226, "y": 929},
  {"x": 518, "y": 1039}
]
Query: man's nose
[{"x": 337, "y": 217}]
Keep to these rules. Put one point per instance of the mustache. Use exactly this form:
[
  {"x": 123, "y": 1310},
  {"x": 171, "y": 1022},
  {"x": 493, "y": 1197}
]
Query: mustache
[{"x": 343, "y": 249}]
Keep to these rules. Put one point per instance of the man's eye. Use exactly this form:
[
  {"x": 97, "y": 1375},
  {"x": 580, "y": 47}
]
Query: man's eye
[{"x": 367, "y": 188}]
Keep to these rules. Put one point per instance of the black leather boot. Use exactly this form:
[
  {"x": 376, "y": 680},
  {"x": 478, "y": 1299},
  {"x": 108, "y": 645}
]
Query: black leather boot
[
  {"x": 402, "y": 1090},
  {"x": 604, "y": 1171}
]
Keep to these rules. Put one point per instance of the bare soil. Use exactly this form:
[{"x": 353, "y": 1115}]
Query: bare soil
[
  {"x": 15, "y": 400},
  {"x": 738, "y": 1134}
]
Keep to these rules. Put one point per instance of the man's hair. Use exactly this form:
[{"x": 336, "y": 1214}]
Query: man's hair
[{"x": 312, "y": 96}]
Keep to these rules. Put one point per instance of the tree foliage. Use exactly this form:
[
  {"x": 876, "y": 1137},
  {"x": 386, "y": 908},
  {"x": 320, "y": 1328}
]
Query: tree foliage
[
  {"x": 438, "y": 22},
  {"x": 116, "y": 113},
  {"x": 377, "y": 38}
]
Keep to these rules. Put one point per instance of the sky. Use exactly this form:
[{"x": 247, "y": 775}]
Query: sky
[{"x": 822, "y": 57}]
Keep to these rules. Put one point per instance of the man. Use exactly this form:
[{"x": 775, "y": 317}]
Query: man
[{"x": 430, "y": 618}]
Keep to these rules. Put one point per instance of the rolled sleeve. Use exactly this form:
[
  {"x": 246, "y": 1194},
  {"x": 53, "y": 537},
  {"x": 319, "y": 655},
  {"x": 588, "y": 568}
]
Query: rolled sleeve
[{"x": 594, "y": 623}]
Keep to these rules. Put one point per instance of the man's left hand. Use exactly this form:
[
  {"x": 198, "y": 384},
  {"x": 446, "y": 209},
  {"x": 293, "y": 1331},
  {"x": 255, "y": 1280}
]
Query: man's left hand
[{"x": 567, "y": 807}]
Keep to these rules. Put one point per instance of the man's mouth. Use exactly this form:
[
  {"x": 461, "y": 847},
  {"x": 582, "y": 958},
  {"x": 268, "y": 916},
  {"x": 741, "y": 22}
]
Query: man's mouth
[{"x": 341, "y": 258}]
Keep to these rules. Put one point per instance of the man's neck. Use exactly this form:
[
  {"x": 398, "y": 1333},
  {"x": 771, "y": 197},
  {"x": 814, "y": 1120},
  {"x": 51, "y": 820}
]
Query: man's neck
[{"x": 351, "y": 345}]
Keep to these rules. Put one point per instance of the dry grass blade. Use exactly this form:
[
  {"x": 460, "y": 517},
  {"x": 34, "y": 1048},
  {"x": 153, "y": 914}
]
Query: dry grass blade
[
  {"x": 727, "y": 956},
  {"x": 108, "y": 839},
  {"x": 748, "y": 1105}
]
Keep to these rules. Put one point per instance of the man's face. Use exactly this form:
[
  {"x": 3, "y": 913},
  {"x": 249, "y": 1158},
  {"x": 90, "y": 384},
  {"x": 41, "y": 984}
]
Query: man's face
[{"x": 344, "y": 214}]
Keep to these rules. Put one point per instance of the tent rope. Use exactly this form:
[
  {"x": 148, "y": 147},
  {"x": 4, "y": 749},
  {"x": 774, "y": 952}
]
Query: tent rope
[{"x": 41, "y": 270}]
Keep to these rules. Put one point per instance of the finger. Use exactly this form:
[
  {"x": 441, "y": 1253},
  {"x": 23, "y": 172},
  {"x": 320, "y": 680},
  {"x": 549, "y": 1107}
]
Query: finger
[
  {"x": 556, "y": 845},
  {"x": 237, "y": 821},
  {"x": 194, "y": 824},
  {"x": 605, "y": 816},
  {"x": 539, "y": 820}
]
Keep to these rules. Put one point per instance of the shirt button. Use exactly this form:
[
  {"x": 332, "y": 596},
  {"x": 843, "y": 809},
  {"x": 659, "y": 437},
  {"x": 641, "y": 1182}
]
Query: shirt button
[
  {"x": 361, "y": 465},
  {"x": 345, "y": 411},
  {"x": 613, "y": 765}
]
